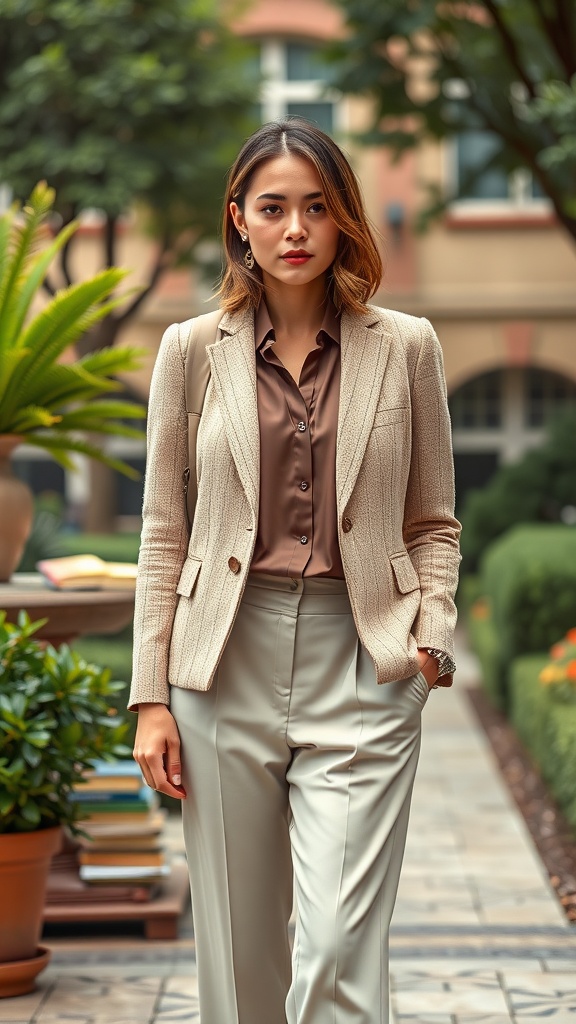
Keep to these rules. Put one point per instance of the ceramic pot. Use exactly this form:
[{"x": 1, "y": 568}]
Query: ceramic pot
[
  {"x": 16, "y": 510},
  {"x": 24, "y": 864}
]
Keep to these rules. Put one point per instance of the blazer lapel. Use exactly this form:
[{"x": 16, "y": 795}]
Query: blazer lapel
[
  {"x": 233, "y": 370},
  {"x": 365, "y": 347}
]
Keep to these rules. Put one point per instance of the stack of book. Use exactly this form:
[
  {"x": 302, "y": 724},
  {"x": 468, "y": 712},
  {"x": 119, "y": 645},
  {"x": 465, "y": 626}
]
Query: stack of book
[
  {"x": 87, "y": 572},
  {"x": 124, "y": 824}
]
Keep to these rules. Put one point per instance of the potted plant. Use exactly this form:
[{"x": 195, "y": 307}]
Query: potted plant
[
  {"x": 55, "y": 721},
  {"x": 45, "y": 400}
]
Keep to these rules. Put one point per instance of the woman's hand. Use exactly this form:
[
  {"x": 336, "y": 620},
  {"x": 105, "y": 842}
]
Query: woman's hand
[
  {"x": 428, "y": 666},
  {"x": 157, "y": 750}
]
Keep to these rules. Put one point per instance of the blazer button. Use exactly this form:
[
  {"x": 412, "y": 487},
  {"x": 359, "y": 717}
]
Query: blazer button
[
  {"x": 234, "y": 564},
  {"x": 346, "y": 524}
]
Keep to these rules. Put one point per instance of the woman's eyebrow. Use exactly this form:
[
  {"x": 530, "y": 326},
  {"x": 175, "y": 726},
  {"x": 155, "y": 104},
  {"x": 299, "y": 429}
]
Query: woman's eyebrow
[{"x": 276, "y": 195}]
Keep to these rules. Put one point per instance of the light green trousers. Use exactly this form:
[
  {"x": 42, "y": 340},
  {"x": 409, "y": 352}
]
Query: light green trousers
[{"x": 297, "y": 765}]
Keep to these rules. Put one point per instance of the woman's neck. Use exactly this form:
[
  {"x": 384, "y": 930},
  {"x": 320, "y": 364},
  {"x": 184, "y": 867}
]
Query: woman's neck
[{"x": 296, "y": 311}]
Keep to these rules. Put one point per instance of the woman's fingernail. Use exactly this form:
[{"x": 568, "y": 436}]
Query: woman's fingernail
[{"x": 177, "y": 780}]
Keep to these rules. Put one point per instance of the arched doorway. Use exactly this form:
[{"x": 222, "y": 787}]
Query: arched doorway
[{"x": 497, "y": 416}]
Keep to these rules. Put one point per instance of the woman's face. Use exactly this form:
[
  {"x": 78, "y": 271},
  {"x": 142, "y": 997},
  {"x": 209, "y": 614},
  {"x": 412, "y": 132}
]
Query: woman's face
[{"x": 291, "y": 235}]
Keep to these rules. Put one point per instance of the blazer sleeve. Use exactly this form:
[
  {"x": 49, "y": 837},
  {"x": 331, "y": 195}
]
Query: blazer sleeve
[
  {"x": 164, "y": 540},
  {"x": 431, "y": 533}
]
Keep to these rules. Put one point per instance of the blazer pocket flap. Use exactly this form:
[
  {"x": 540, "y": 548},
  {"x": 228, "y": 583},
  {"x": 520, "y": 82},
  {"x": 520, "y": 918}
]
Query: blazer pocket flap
[
  {"x": 384, "y": 416},
  {"x": 404, "y": 572},
  {"x": 188, "y": 576}
]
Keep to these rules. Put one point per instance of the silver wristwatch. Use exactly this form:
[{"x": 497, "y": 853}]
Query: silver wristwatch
[{"x": 446, "y": 664}]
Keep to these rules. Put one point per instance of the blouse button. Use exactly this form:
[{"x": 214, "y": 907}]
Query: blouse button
[
  {"x": 304, "y": 485},
  {"x": 234, "y": 564},
  {"x": 301, "y": 426},
  {"x": 303, "y": 539}
]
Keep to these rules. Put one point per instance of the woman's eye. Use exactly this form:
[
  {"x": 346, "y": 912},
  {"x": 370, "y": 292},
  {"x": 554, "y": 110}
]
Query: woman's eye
[
  {"x": 272, "y": 208},
  {"x": 317, "y": 208}
]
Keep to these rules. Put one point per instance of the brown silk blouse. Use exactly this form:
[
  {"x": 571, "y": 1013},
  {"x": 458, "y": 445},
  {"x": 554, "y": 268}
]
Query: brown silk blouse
[{"x": 297, "y": 533}]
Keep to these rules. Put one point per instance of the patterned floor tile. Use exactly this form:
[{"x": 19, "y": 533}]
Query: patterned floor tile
[
  {"x": 443, "y": 1018},
  {"x": 473, "y": 992},
  {"x": 547, "y": 997},
  {"x": 179, "y": 1001},
  {"x": 560, "y": 964},
  {"x": 85, "y": 999},
  {"x": 425, "y": 1018},
  {"x": 22, "y": 1008}
]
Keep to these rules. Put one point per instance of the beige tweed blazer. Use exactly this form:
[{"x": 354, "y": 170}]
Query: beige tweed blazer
[{"x": 395, "y": 501}]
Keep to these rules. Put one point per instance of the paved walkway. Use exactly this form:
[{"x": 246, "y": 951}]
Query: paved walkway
[{"x": 478, "y": 935}]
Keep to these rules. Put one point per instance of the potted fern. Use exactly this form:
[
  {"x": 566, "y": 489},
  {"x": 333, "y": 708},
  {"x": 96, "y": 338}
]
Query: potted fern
[
  {"x": 55, "y": 721},
  {"x": 44, "y": 400}
]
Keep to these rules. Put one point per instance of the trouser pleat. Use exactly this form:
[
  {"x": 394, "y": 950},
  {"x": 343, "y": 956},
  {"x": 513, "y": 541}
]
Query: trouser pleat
[{"x": 296, "y": 763}]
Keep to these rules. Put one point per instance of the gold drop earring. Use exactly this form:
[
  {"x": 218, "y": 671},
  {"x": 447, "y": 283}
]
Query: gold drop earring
[{"x": 248, "y": 257}]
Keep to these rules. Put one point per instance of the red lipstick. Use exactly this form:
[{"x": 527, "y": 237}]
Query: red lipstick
[{"x": 296, "y": 257}]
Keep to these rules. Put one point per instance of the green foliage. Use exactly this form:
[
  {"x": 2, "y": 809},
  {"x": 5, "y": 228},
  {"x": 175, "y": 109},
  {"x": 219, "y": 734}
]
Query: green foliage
[
  {"x": 529, "y": 582},
  {"x": 43, "y": 540},
  {"x": 559, "y": 675},
  {"x": 484, "y": 641},
  {"x": 556, "y": 105},
  {"x": 113, "y": 547},
  {"x": 536, "y": 488},
  {"x": 548, "y": 730},
  {"x": 123, "y": 104},
  {"x": 41, "y": 398},
  {"x": 55, "y": 721},
  {"x": 508, "y": 62}
]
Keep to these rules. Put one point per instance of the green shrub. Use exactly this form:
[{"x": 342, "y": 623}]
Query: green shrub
[
  {"x": 113, "y": 547},
  {"x": 547, "y": 729},
  {"x": 55, "y": 721},
  {"x": 529, "y": 580},
  {"x": 484, "y": 641},
  {"x": 469, "y": 590},
  {"x": 535, "y": 489}
]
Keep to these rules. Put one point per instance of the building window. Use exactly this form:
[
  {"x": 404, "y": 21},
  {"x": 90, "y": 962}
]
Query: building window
[
  {"x": 295, "y": 84},
  {"x": 498, "y": 416},
  {"x": 477, "y": 405},
  {"x": 476, "y": 175},
  {"x": 546, "y": 393},
  {"x": 477, "y": 180}
]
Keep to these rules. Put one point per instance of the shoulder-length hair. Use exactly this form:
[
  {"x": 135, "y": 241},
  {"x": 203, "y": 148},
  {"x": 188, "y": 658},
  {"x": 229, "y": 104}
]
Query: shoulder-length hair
[{"x": 357, "y": 269}]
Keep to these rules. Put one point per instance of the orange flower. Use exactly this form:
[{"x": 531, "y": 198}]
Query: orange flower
[
  {"x": 480, "y": 609},
  {"x": 557, "y": 651},
  {"x": 571, "y": 636},
  {"x": 571, "y": 669}
]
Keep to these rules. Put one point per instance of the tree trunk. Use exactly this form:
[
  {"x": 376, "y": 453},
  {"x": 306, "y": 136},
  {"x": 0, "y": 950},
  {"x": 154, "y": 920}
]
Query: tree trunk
[
  {"x": 102, "y": 335},
  {"x": 100, "y": 513}
]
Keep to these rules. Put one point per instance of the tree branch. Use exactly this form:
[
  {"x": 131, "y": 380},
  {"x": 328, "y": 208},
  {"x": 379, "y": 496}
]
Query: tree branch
[
  {"x": 110, "y": 240},
  {"x": 510, "y": 45},
  {"x": 49, "y": 287},
  {"x": 160, "y": 266},
  {"x": 65, "y": 253},
  {"x": 559, "y": 36}
]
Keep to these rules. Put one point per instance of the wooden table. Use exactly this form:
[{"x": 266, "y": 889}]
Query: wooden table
[
  {"x": 70, "y": 613},
  {"x": 159, "y": 916}
]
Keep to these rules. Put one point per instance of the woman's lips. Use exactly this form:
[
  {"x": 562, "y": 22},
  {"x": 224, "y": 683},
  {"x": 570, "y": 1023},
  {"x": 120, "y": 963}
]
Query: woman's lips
[{"x": 296, "y": 261}]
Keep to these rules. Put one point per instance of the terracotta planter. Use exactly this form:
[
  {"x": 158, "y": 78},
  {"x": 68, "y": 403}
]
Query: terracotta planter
[
  {"x": 24, "y": 863},
  {"x": 16, "y": 510}
]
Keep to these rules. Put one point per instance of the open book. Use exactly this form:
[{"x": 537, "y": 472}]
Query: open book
[{"x": 87, "y": 572}]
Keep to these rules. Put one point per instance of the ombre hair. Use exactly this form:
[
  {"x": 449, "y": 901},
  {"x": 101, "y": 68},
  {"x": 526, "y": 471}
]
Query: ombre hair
[{"x": 357, "y": 269}]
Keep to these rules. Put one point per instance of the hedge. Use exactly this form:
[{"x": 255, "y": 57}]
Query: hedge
[
  {"x": 547, "y": 728},
  {"x": 484, "y": 641},
  {"x": 528, "y": 578}
]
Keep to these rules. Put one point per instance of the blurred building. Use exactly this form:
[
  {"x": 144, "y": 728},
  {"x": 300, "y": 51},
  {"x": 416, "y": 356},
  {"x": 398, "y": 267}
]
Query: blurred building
[{"x": 495, "y": 275}]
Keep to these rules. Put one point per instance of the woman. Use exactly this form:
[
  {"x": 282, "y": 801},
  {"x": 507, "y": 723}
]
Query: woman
[{"x": 322, "y": 562}]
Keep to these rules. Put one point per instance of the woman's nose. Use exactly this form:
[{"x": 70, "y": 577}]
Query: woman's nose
[{"x": 295, "y": 228}]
